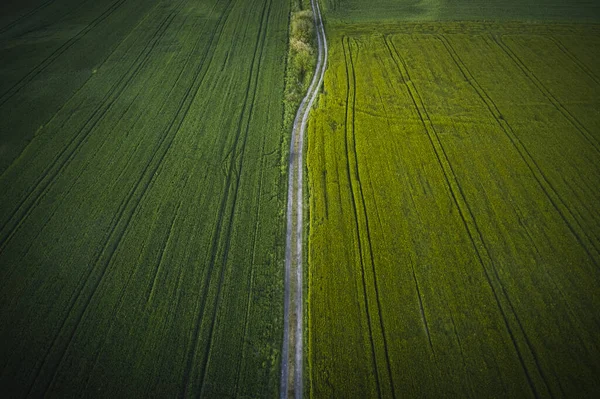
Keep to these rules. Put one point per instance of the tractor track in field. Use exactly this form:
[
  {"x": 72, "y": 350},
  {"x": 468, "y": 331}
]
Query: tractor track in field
[
  {"x": 292, "y": 361},
  {"x": 127, "y": 208}
]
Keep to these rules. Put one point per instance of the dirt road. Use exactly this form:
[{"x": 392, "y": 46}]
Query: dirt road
[{"x": 293, "y": 349}]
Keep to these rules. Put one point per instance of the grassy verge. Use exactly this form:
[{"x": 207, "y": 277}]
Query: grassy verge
[{"x": 302, "y": 57}]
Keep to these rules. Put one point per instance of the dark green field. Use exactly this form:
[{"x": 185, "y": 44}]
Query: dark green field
[
  {"x": 377, "y": 11},
  {"x": 141, "y": 197}
]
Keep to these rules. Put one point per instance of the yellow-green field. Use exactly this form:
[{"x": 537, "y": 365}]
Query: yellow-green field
[{"x": 454, "y": 173}]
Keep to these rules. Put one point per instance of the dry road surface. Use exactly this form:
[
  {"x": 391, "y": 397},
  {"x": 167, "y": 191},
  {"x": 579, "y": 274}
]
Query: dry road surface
[{"x": 292, "y": 351}]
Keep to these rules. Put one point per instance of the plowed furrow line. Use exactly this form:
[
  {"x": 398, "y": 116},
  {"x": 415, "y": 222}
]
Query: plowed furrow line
[
  {"x": 466, "y": 215},
  {"x": 68, "y": 153},
  {"x": 555, "y": 199},
  {"x": 542, "y": 88},
  {"x": 9, "y": 93}
]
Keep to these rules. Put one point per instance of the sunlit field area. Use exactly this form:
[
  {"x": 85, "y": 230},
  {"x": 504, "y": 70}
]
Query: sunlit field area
[{"x": 454, "y": 172}]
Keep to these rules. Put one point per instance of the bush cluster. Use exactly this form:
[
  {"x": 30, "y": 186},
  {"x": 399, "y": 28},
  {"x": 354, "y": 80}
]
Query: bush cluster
[{"x": 301, "y": 61}]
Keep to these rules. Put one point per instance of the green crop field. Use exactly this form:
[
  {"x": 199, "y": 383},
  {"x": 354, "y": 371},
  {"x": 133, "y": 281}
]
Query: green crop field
[
  {"x": 353, "y": 11},
  {"x": 142, "y": 197},
  {"x": 454, "y": 245}
]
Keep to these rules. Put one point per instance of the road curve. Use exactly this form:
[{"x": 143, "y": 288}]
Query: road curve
[{"x": 292, "y": 382}]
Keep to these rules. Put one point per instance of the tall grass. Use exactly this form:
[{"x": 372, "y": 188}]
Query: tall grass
[{"x": 301, "y": 58}]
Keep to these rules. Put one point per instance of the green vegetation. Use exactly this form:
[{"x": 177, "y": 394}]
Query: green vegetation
[
  {"x": 376, "y": 11},
  {"x": 301, "y": 58},
  {"x": 49, "y": 50},
  {"x": 141, "y": 222},
  {"x": 455, "y": 211}
]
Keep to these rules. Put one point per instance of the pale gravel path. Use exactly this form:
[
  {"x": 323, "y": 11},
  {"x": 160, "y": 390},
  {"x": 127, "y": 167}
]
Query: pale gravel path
[{"x": 293, "y": 246}]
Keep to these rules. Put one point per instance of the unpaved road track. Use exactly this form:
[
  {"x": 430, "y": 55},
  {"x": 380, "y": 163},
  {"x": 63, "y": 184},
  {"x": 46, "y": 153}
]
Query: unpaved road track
[{"x": 292, "y": 365}]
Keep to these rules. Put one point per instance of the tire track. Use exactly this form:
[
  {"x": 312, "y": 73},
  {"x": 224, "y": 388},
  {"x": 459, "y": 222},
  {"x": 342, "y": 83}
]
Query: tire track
[
  {"x": 555, "y": 199},
  {"x": 119, "y": 304},
  {"x": 165, "y": 245},
  {"x": 106, "y": 102},
  {"x": 295, "y": 225},
  {"x": 412, "y": 93},
  {"x": 77, "y": 178},
  {"x": 9, "y": 93},
  {"x": 124, "y": 217},
  {"x": 536, "y": 171},
  {"x": 67, "y": 102},
  {"x": 67, "y": 191},
  {"x": 575, "y": 60},
  {"x": 422, "y": 309},
  {"x": 218, "y": 233},
  {"x": 183, "y": 110},
  {"x": 250, "y": 296},
  {"x": 236, "y": 169},
  {"x": 346, "y": 49},
  {"x": 368, "y": 236},
  {"x": 468, "y": 378},
  {"x": 589, "y": 137},
  {"x": 468, "y": 220},
  {"x": 64, "y": 193},
  {"x": 28, "y": 14},
  {"x": 191, "y": 352},
  {"x": 64, "y": 158},
  {"x": 360, "y": 212}
]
